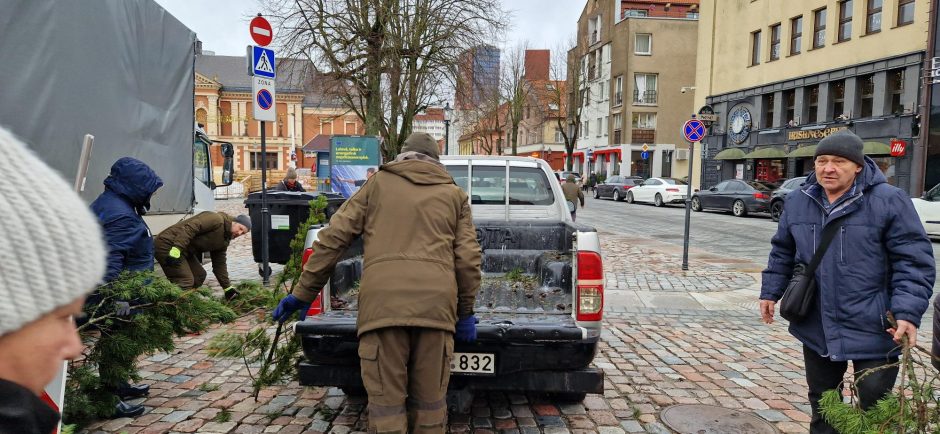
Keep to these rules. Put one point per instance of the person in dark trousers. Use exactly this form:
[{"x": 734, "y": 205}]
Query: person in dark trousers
[
  {"x": 592, "y": 182},
  {"x": 179, "y": 248},
  {"x": 573, "y": 194},
  {"x": 120, "y": 210},
  {"x": 59, "y": 258},
  {"x": 418, "y": 285},
  {"x": 290, "y": 182},
  {"x": 879, "y": 260}
]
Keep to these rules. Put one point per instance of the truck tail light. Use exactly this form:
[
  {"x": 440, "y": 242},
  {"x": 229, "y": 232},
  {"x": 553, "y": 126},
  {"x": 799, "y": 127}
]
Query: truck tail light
[
  {"x": 316, "y": 307},
  {"x": 307, "y": 252},
  {"x": 760, "y": 195},
  {"x": 673, "y": 190},
  {"x": 590, "y": 287}
]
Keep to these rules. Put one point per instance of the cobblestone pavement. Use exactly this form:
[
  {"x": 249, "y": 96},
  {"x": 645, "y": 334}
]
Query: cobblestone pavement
[{"x": 672, "y": 337}]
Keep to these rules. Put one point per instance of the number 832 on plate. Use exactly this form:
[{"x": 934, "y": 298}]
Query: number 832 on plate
[{"x": 473, "y": 363}]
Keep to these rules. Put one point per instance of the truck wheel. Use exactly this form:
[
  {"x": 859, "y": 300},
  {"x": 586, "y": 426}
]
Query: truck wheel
[{"x": 566, "y": 397}]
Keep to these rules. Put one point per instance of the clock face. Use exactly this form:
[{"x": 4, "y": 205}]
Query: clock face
[{"x": 740, "y": 125}]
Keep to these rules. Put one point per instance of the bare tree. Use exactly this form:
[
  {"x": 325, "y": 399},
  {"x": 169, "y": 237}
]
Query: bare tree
[
  {"x": 485, "y": 123},
  {"x": 515, "y": 90},
  {"x": 388, "y": 59},
  {"x": 566, "y": 65}
]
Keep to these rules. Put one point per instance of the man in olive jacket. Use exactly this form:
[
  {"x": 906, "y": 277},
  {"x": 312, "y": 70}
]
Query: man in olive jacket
[
  {"x": 421, "y": 273},
  {"x": 179, "y": 248}
]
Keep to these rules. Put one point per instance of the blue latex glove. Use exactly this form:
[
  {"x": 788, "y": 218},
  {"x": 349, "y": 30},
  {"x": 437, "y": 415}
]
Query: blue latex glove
[
  {"x": 288, "y": 306},
  {"x": 466, "y": 330}
]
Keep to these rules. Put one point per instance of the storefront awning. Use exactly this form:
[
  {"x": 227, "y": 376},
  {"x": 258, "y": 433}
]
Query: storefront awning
[
  {"x": 765, "y": 153},
  {"x": 805, "y": 151},
  {"x": 730, "y": 154},
  {"x": 876, "y": 148}
]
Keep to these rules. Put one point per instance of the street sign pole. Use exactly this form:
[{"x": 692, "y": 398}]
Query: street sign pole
[
  {"x": 265, "y": 218},
  {"x": 694, "y": 131},
  {"x": 261, "y": 67}
]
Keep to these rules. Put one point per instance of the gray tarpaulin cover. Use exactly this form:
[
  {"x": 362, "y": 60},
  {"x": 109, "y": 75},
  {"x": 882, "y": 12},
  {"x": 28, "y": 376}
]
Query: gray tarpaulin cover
[{"x": 121, "y": 70}]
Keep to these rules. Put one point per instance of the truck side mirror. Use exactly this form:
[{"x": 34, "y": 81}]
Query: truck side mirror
[{"x": 228, "y": 164}]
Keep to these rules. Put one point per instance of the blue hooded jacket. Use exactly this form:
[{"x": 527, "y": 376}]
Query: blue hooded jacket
[
  {"x": 879, "y": 260},
  {"x": 126, "y": 198}
]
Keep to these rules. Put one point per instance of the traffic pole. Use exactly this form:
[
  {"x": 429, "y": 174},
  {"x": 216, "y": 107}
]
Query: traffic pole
[
  {"x": 688, "y": 209},
  {"x": 265, "y": 224}
]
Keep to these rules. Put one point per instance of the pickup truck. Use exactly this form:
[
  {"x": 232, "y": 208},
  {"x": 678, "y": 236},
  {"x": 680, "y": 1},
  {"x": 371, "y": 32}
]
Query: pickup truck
[{"x": 539, "y": 307}]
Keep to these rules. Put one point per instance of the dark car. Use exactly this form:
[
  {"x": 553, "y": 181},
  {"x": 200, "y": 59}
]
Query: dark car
[
  {"x": 615, "y": 187},
  {"x": 780, "y": 194},
  {"x": 739, "y": 197}
]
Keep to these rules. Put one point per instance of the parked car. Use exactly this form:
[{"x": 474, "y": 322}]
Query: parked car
[
  {"x": 563, "y": 175},
  {"x": 739, "y": 197},
  {"x": 780, "y": 194},
  {"x": 615, "y": 187},
  {"x": 659, "y": 191},
  {"x": 928, "y": 209}
]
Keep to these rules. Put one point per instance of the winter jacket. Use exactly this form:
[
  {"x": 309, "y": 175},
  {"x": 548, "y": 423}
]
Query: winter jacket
[
  {"x": 22, "y": 412},
  {"x": 120, "y": 208},
  {"x": 573, "y": 193},
  {"x": 421, "y": 266},
  {"x": 208, "y": 232},
  {"x": 879, "y": 260},
  {"x": 282, "y": 186}
]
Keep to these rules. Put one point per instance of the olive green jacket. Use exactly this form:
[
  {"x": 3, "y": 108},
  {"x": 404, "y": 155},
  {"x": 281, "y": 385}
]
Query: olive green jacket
[
  {"x": 207, "y": 232},
  {"x": 421, "y": 266}
]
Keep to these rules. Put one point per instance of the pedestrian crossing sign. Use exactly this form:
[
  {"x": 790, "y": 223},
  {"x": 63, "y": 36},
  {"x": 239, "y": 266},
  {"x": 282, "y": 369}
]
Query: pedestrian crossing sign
[{"x": 262, "y": 62}]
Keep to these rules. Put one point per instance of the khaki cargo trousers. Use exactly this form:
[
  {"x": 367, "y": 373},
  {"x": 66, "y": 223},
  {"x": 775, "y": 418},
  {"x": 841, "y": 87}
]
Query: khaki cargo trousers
[{"x": 405, "y": 371}]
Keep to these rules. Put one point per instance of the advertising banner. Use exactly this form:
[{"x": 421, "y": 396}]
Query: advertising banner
[{"x": 353, "y": 159}]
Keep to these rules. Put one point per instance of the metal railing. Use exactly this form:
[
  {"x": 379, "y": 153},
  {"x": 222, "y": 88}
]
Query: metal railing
[{"x": 645, "y": 97}]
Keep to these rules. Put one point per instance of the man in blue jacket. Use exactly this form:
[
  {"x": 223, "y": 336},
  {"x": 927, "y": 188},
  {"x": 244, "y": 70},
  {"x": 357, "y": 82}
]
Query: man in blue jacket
[
  {"x": 879, "y": 261},
  {"x": 120, "y": 210}
]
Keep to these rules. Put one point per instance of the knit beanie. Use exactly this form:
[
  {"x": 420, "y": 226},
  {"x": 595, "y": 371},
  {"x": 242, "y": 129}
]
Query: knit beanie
[
  {"x": 422, "y": 143},
  {"x": 291, "y": 173},
  {"x": 53, "y": 251},
  {"x": 244, "y": 220},
  {"x": 843, "y": 144}
]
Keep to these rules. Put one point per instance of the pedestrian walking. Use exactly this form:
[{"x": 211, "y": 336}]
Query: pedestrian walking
[
  {"x": 290, "y": 182},
  {"x": 874, "y": 258},
  {"x": 120, "y": 210},
  {"x": 179, "y": 248},
  {"x": 53, "y": 257},
  {"x": 573, "y": 194},
  {"x": 592, "y": 182},
  {"x": 418, "y": 284}
]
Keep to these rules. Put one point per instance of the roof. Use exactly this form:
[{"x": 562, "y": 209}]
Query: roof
[
  {"x": 319, "y": 143},
  {"x": 293, "y": 76}
]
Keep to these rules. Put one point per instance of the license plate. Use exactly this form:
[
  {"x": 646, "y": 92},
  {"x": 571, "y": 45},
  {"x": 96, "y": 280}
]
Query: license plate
[{"x": 473, "y": 363}]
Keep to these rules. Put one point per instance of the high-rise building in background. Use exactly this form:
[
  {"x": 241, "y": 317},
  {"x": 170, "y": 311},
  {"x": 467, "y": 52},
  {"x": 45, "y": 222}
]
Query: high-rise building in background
[{"x": 478, "y": 75}]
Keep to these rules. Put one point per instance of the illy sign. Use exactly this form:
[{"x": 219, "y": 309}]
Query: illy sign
[{"x": 898, "y": 148}]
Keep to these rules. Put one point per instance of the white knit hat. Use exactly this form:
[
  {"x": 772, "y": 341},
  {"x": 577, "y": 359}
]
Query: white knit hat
[{"x": 51, "y": 248}]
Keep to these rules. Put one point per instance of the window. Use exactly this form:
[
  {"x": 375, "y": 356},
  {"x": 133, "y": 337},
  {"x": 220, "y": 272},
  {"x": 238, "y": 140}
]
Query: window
[
  {"x": 270, "y": 160},
  {"x": 755, "y": 48},
  {"x": 819, "y": 28},
  {"x": 722, "y": 186},
  {"x": 873, "y": 23},
  {"x": 812, "y": 103},
  {"x": 618, "y": 127},
  {"x": 838, "y": 98},
  {"x": 559, "y": 137},
  {"x": 796, "y": 35},
  {"x": 774, "y": 42},
  {"x": 644, "y": 121},
  {"x": 789, "y": 98},
  {"x": 586, "y": 128},
  {"x": 866, "y": 89},
  {"x": 768, "y": 111},
  {"x": 201, "y": 169},
  {"x": 643, "y": 44},
  {"x": 667, "y": 164},
  {"x": 645, "y": 92},
  {"x": 588, "y": 96},
  {"x": 618, "y": 91},
  {"x": 350, "y": 128},
  {"x": 600, "y": 126},
  {"x": 635, "y": 13},
  {"x": 905, "y": 12},
  {"x": 583, "y": 98},
  {"x": 895, "y": 90},
  {"x": 845, "y": 20},
  {"x": 694, "y": 15},
  {"x": 606, "y": 123}
]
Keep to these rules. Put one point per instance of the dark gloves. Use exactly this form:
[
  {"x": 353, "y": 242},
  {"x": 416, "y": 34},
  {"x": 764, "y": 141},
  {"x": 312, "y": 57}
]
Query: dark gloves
[
  {"x": 122, "y": 308},
  {"x": 288, "y": 306},
  {"x": 231, "y": 293},
  {"x": 466, "y": 330},
  {"x": 174, "y": 257}
]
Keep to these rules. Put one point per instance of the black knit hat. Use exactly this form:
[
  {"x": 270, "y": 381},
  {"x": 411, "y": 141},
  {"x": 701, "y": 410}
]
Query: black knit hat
[
  {"x": 843, "y": 144},
  {"x": 423, "y": 143}
]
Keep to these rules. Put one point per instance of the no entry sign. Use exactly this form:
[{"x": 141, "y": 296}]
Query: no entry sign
[{"x": 260, "y": 30}]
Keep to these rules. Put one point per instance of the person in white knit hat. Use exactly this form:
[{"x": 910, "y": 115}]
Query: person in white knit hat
[{"x": 53, "y": 255}]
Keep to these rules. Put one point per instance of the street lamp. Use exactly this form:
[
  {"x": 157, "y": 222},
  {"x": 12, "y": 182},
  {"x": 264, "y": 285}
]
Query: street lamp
[{"x": 447, "y": 111}]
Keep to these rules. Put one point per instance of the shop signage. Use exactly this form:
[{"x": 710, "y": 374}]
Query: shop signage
[
  {"x": 898, "y": 148},
  {"x": 934, "y": 72},
  {"x": 813, "y": 134}
]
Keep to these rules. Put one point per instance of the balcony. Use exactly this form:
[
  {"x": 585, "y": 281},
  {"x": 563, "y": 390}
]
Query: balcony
[
  {"x": 643, "y": 136},
  {"x": 644, "y": 97}
]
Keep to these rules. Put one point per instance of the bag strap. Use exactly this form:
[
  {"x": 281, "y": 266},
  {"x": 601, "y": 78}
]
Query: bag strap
[{"x": 828, "y": 234}]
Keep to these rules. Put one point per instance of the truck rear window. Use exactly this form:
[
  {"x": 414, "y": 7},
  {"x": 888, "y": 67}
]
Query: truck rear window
[{"x": 527, "y": 185}]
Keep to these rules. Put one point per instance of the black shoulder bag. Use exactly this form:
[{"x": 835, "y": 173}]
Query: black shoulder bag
[{"x": 798, "y": 298}]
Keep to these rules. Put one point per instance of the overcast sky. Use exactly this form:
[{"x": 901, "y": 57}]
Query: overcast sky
[{"x": 223, "y": 25}]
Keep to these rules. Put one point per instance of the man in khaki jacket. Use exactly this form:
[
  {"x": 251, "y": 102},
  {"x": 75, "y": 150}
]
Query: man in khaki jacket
[
  {"x": 572, "y": 193},
  {"x": 179, "y": 248},
  {"x": 421, "y": 274}
]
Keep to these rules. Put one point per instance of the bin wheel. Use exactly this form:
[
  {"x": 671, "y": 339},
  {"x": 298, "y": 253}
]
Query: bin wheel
[{"x": 261, "y": 271}]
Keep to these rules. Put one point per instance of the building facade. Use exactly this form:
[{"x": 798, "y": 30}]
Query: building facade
[
  {"x": 636, "y": 99},
  {"x": 802, "y": 70}
]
